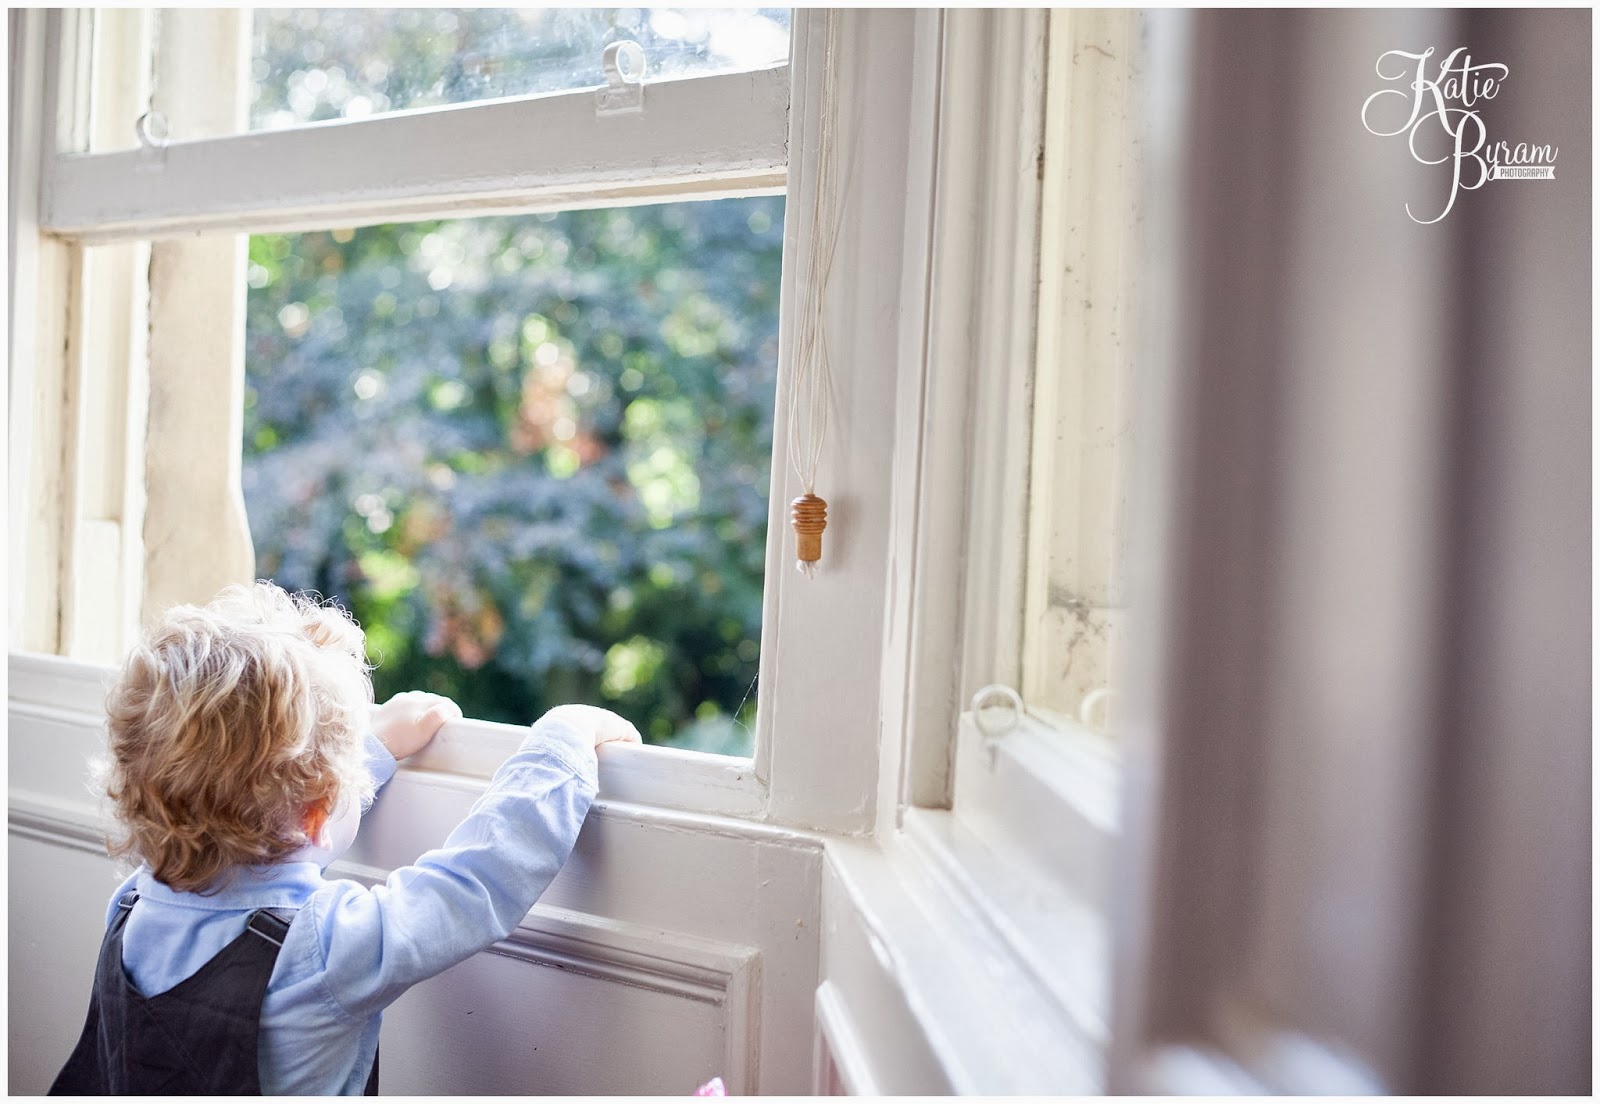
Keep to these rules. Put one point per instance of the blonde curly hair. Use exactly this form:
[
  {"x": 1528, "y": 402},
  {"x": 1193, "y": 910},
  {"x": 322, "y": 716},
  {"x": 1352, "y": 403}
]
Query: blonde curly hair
[{"x": 227, "y": 724}]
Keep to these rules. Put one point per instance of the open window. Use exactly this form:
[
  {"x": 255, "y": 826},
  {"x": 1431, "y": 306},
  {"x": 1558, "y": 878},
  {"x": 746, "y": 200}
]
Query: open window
[
  {"x": 531, "y": 453},
  {"x": 485, "y": 280}
]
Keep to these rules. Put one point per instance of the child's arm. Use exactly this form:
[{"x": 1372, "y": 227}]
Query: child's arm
[{"x": 375, "y": 943}]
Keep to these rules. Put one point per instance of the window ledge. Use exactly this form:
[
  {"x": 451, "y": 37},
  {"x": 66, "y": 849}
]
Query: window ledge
[
  {"x": 469, "y": 750},
  {"x": 1047, "y": 794},
  {"x": 642, "y": 775},
  {"x": 1055, "y": 935},
  {"x": 991, "y": 918},
  {"x": 989, "y": 1016}
]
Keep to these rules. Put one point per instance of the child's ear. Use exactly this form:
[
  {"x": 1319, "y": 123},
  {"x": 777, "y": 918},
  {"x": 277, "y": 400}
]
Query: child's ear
[{"x": 315, "y": 817}]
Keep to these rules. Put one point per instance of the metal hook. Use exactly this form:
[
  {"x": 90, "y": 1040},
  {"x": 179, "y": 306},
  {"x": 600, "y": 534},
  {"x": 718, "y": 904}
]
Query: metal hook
[
  {"x": 151, "y": 127},
  {"x": 624, "y": 64},
  {"x": 1103, "y": 697},
  {"x": 995, "y": 695}
]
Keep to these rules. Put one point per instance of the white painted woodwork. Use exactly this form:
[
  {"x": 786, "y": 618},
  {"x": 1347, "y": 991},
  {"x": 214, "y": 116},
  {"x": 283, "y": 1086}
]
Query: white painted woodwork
[
  {"x": 548, "y": 152},
  {"x": 104, "y": 509},
  {"x": 70, "y": 78},
  {"x": 822, "y": 638},
  {"x": 53, "y": 930},
  {"x": 916, "y": 636},
  {"x": 38, "y": 270},
  {"x": 931, "y": 997},
  {"x": 672, "y": 948},
  {"x": 118, "y": 79},
  {"x": 1002, "y": 55},
  {"x": 103, "y": 397},
  {"x": 643, "y": 774},
  {"x": 956, "y": 553},
  {"x": 1049, "y": 795},
  {"x": 197, "y": 537},
  {"x": 967, "y": 950},
  {"x": 203, "y": 87},
  {"x": 842, "y": 1066}
]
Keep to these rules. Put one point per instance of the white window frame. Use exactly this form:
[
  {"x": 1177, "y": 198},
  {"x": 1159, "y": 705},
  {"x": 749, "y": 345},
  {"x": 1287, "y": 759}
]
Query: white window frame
[
  {"x": 815, "y": 762},
  {"x": 973, "y": 426},
  {"x": 1013, "y": 836},
  {"x": 1047, "y": 790}
]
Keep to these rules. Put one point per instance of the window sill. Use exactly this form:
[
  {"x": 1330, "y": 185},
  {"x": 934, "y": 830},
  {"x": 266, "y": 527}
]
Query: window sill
[
  {"x": 469, "y": 750},
  {"x": 991, "y": 919},
  {"x": 642, "y": 775},
  {"x": 1048, "y": 794},
  {"x": 1054, "y": 934},
  {"x": 991, "y": 1017}
]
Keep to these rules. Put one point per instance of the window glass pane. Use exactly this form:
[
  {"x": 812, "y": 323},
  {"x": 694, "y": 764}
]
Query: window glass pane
[
  {"x": 1075, "y": 615},
  {"x": 311, "y": 64},
  {"x": 530, "y": 454}
]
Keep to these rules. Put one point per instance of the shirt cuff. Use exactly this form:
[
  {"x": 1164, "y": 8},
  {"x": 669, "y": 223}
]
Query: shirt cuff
[
  {"x": 380, "y": 764},
  {"x": 564, "y": 741}
]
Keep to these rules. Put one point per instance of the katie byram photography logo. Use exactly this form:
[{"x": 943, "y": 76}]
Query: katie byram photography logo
[{"x": 1441, "y": 117}]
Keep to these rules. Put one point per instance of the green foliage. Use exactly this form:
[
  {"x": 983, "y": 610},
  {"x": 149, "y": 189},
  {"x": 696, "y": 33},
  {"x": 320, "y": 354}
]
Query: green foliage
[{"x": 531, "y": 454}]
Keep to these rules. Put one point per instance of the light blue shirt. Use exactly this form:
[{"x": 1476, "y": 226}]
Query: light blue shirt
[{"x": 352, "y": 950}]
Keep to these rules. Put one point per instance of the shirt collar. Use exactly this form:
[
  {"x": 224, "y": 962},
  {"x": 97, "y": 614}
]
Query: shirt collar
[{"x": 279, "y": 885}]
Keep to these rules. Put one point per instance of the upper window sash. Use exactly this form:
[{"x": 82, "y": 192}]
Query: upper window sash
[
  {"x": 694, "y": 137},
  {"x": 698, "y": 137}
]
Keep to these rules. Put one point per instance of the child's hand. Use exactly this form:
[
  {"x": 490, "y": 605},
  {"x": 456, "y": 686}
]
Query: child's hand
[
  {"x": 406, "y": 722},
  {"x": 604, "y": 726}
]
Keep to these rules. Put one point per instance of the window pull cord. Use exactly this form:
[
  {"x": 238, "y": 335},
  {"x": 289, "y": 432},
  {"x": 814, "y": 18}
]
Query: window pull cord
[{"x": 811, "y": 381}]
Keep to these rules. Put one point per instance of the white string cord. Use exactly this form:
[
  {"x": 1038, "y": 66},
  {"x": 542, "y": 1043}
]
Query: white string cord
[{"x": 811, "y": 381}]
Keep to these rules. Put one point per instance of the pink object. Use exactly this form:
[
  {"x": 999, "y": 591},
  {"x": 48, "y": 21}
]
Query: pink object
[{"x": 713, "y": 1087}]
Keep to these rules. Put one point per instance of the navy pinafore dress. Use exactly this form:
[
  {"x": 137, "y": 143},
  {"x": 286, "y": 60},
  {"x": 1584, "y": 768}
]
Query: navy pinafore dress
[{"x": 199, "y": 1037}]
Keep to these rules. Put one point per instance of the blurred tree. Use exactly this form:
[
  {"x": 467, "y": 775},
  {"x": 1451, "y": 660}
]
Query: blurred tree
[{"x": 530, "y": 454}]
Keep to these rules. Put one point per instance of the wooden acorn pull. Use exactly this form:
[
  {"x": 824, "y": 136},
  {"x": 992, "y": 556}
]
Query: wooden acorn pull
[{"x": 809, "y": 516}]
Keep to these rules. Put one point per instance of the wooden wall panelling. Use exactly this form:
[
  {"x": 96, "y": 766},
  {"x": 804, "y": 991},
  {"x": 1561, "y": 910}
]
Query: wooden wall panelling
[{"x": 672, "y": 948}]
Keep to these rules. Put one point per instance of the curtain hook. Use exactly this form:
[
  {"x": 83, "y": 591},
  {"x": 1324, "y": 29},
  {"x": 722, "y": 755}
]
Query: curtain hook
[{"x": 624, "y": 64}]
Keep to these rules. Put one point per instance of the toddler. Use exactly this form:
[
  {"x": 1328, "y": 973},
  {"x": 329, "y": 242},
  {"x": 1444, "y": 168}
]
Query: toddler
[{"x": 243, "y": 749}]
